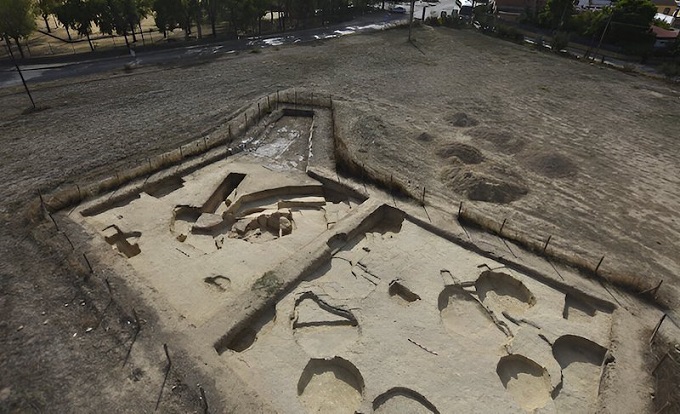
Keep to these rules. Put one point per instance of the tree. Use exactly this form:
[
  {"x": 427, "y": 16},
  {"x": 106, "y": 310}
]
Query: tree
[
  {"x": 590, "y": 22},
  {"x": 45, "y": 8},
  {"x": 168, "y": 14},
  {"x": 121, "y": 16},
  {"x": 630, "y": 23},
  {"x": 111, "y": 18},
  {"x": 556, "y": 13},
  {"x": 78, "y": 15},
  {"x": 17, "y": 20}
]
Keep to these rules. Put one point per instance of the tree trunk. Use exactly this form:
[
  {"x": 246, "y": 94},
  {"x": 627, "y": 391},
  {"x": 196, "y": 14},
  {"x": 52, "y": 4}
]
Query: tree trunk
[
  {"x": 199, "y": 31},
  {"x": 90, "y": 42},
  {"x": 259, "y": 26},
  {"x": 141, "y": 32},
  {"x": 68, "y": 33},
  {"x": 132, "y": 30},
  {"x": 21, "y": 49},
  {"x": 47, "y": 23},
  {"x": 9, "y": 45}
]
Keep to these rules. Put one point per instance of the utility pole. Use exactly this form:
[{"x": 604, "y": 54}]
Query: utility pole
[
  {"x": 410, "y": 24},
  {"x": 21, "y": 75},
  {"x": 602, "y": 37}
]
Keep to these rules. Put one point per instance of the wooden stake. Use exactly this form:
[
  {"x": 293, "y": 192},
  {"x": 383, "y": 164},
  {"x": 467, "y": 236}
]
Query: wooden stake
[
  {"x": 205, "y": 400},
  {"x": 545, "y": 246},
  {"x": 656, "y": 328},
  {"x": 655, "y": 289},
  {"x": 108, "y": 287},
  {"x": 167, "y": 371},
  {"x": 69, "y": 241},
  {"x": 598, "y": 264},
  {"x": 88, "y": 263},
  {"x": 663, "y": 358},
  {"x": 663, "y": 407},
  {"x": 53, "y": 221}
]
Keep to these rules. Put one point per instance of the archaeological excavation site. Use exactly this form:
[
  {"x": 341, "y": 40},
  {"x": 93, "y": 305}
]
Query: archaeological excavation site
[{"x": 292, "y": 273}]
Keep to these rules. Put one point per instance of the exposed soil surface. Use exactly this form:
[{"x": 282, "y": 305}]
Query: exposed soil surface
[{"x": 585, "y": 154}]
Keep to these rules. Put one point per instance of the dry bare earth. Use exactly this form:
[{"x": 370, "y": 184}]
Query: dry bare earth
[{"x": 592, "y": 153}]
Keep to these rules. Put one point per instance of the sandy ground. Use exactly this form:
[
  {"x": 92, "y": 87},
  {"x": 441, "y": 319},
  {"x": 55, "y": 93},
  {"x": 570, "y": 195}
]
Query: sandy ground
[{"x": 612, "y": 133}]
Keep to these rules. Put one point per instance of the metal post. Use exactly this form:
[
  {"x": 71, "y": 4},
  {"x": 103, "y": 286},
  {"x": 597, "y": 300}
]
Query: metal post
[{"x": 21, "y": 75}]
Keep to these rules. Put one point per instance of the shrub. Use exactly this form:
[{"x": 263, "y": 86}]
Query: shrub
[
  {"x": 433, "y": 21},
  {"x": 560, "y": 41},
  {"x": 509, "y": 33},
  {"x": 670, "y": 69},
  {"x": 453, "y": 21},
  {"x": 628, "y": 68},
  {"x": 539, "y": 43}
]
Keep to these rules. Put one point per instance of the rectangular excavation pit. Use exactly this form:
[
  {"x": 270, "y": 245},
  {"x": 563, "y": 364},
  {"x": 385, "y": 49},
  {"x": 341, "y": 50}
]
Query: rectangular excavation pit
[
  {"x": 306, "y": 113},
  {"x": 189, "y": 234}
]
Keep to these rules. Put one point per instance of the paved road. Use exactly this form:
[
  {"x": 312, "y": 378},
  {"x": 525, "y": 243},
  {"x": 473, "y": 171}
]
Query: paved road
[{"x": 37, "y": 73}]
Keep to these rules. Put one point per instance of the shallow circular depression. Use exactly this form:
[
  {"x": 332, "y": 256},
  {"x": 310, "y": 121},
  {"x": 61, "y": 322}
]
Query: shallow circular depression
[
  {"x": 460, "y": 313},
  {"x": 502, "y": 292},
  {"x": 551, "y": 165},
  {"x": 492, "y": 191},
  {"x": 498, "y": 140},
  {"x": 321, "y": 329},
  {"x": 465, "y": 153},
  {"x": 401, "y": 400},
  {"x": 462, "y": 120},
  {"x": 527, "y": 382},
  {"x": 333, "y": 386},
  {"x": 581, "y": 360},
  {"x": 480, "y": 186}
]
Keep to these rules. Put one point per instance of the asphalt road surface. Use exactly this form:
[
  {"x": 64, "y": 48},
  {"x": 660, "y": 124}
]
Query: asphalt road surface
[{"x": 37, "y": 73}]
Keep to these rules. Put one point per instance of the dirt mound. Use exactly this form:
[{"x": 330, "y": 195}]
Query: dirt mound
[
  {"x": 425, "y": 137},
  {"x": 552, "y": 165},
  {"x": 502, "y": 141},
  {"x": 466, "y": 153},
  {"x": 482, "y": 187},
  {"x": 495, "y": 192},
  {"x": 462, "y": 120}
]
